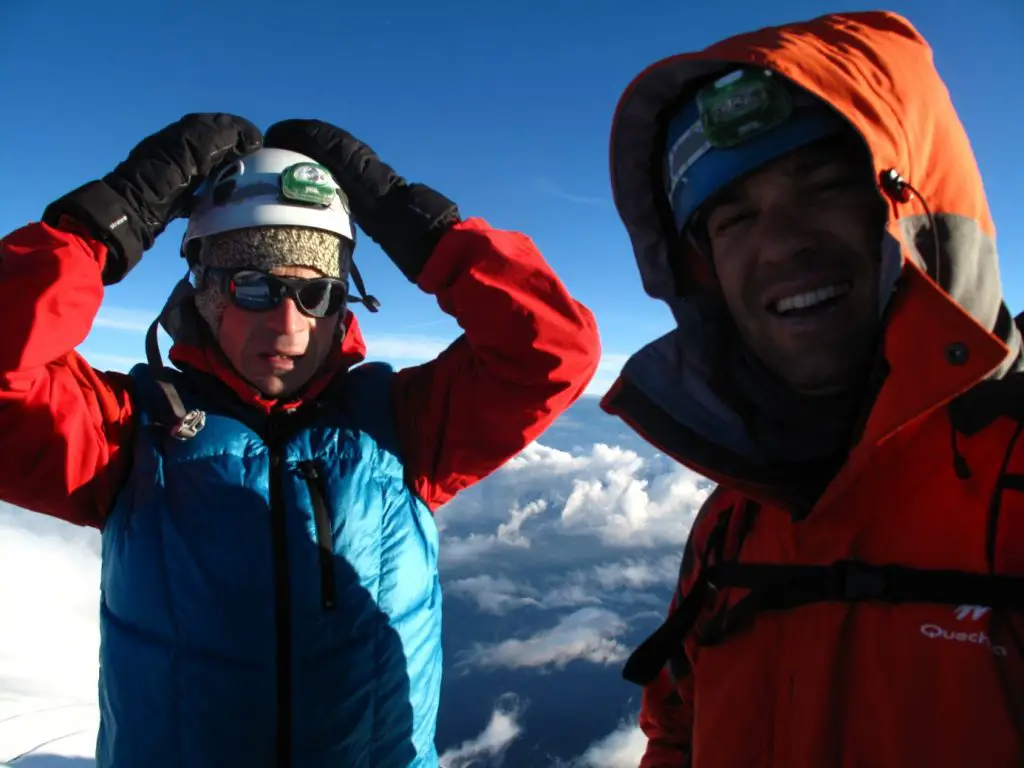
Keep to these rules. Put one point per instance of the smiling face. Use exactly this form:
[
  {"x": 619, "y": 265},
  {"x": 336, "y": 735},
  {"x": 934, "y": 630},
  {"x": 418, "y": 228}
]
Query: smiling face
[
  {"x": 796, "y": 248},
  {"x": 277, "y": 351}
]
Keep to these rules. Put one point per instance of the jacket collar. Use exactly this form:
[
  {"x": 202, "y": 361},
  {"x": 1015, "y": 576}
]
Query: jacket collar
[{"x": 200, "y": 353}]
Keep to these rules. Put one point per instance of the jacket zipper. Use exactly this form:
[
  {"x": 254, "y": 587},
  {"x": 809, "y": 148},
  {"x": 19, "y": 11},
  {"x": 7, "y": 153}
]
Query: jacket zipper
[
  {"x": 282, "y": 605},
  {"x": 324, "y": 542}
]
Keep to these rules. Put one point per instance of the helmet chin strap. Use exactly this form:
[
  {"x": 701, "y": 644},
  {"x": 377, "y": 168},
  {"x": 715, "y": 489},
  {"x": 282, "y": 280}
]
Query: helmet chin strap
[
  {"x": 188, "y": 422},
  {"x": 173, "y": 320},
  {"x": 368, "y": 301}
]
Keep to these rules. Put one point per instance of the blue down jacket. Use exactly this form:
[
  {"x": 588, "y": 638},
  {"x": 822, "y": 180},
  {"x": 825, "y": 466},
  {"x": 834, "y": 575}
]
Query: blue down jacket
[{"x": 270, "y": 590}]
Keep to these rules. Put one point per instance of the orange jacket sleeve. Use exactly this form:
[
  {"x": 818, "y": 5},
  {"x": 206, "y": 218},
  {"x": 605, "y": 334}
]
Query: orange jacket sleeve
[
  {"x": 65, "y": 428},
  {"x": 666, "y": 717},
  {"x": 527, "y": 352}
]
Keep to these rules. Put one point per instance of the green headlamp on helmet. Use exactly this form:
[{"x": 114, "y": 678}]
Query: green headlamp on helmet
[{"x": 268, "y": 188}]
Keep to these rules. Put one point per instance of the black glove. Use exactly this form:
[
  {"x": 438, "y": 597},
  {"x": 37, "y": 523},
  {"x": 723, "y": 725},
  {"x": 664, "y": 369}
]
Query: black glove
[
  {"x": 405, "y": 220},
  {"x": 135, "y": 202}
]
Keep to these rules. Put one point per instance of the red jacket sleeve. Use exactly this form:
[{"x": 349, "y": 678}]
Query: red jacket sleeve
[
  {"x": 527, "y": 352},
  {"x": 64, "y": 427}
]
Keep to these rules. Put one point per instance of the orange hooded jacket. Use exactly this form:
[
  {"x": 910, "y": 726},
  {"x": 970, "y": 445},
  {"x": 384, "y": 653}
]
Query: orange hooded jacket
[{"x": 843, "y": 667}]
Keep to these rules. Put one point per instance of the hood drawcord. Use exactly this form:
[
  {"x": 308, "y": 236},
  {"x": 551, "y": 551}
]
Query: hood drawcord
[
  {"x": 960, "y": 465},
  {"x": 900, "y": 190}
]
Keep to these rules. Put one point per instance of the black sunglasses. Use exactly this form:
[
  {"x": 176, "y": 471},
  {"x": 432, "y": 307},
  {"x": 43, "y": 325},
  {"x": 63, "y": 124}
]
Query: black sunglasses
[{"x": 257, "y": 291}]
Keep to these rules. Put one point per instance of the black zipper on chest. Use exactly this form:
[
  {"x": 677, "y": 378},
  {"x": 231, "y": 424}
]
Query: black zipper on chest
[
  {"x": 324, "y": 540},
  {"x": 282, "y": 603}
]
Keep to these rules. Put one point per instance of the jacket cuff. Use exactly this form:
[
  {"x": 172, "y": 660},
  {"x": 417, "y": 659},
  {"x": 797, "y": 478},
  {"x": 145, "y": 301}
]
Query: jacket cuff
[
  {"x": 108, "y": 218},
  {"x": 414, "y": 220}
]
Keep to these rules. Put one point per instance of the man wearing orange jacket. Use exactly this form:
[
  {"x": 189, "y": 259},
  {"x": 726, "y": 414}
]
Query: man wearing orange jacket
[
  {"x": 805, "y": 200},
  {"x": 270, "y": 591}
]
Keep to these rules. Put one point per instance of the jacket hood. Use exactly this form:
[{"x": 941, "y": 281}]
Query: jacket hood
[{"x": 947, "y": 326}]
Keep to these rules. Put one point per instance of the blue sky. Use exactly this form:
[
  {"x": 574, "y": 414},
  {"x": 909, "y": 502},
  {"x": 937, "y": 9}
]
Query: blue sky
[{"x": 505, "y": 107}]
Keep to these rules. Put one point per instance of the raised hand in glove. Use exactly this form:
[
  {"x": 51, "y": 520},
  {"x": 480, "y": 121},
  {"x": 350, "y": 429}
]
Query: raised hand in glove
[
  {"x": 405, "y": 220},
  {"x": 136, "y": 201}
]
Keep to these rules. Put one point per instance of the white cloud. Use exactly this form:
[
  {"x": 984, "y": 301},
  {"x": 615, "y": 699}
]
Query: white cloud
[
  {"x": 599, "y": 385},
  {"x": 404, "y": 348},
  {"x": 588, "y": 635},
  {"x": 458, "y": 550},
  {"x": 548, "y": 187},
  {"x": 488, "y": 747},
  {"x": 595, "y": 585},
  {"x": 499, "y": 595},
  {"x": 607, "y": 372},
  {"x": 124, "y": 319},
  {"x": 103, "y": 361},
  {"x": 492, "y": 595},
  {"x": 571, "y": 593},
  {"x": 638, "y": 574},
  {"x": 613, "y": 362},
  {"x": 623, "y": 507},
  {"x": 611, "y": 495},
  {"x": 623, "y": 748},
  {"x": 49, "y": 590},
  {"x": 58, "y": 738},
  {"x": 413, "y": 349}
]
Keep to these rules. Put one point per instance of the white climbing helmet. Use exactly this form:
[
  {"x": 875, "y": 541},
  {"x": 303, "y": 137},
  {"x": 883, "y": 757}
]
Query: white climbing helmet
[{"x": 270, "y": 187}]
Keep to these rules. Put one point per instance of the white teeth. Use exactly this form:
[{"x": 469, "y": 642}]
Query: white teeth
[{"x": 810, "y": 298}]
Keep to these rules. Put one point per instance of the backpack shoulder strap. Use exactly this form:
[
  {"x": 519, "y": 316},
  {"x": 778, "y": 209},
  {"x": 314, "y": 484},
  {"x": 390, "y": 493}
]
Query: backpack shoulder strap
[
  {"x": 723, "y": 542},
  {"x": 166, "y": 401},
  {"x": 987, "y": 401},
  {"x": 364, "y": 393}
]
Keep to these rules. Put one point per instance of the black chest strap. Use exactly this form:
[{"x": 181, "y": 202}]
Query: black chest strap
[{"x": 781, "y": 587}]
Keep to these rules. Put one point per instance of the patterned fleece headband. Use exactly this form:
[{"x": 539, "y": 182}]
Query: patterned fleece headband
[{"x": 263, "y": 248}]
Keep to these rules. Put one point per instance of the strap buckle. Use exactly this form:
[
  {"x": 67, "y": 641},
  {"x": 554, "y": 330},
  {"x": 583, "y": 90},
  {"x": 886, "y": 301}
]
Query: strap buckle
[
  {"x": 190, "y": 425},
  {"x": 850, "y": 580}
]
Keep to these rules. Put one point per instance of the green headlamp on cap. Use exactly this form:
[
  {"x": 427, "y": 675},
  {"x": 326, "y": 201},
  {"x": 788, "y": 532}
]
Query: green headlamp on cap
[
  {"x": 734, "y": 125},
  {"x": 741, "y": 105}
]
